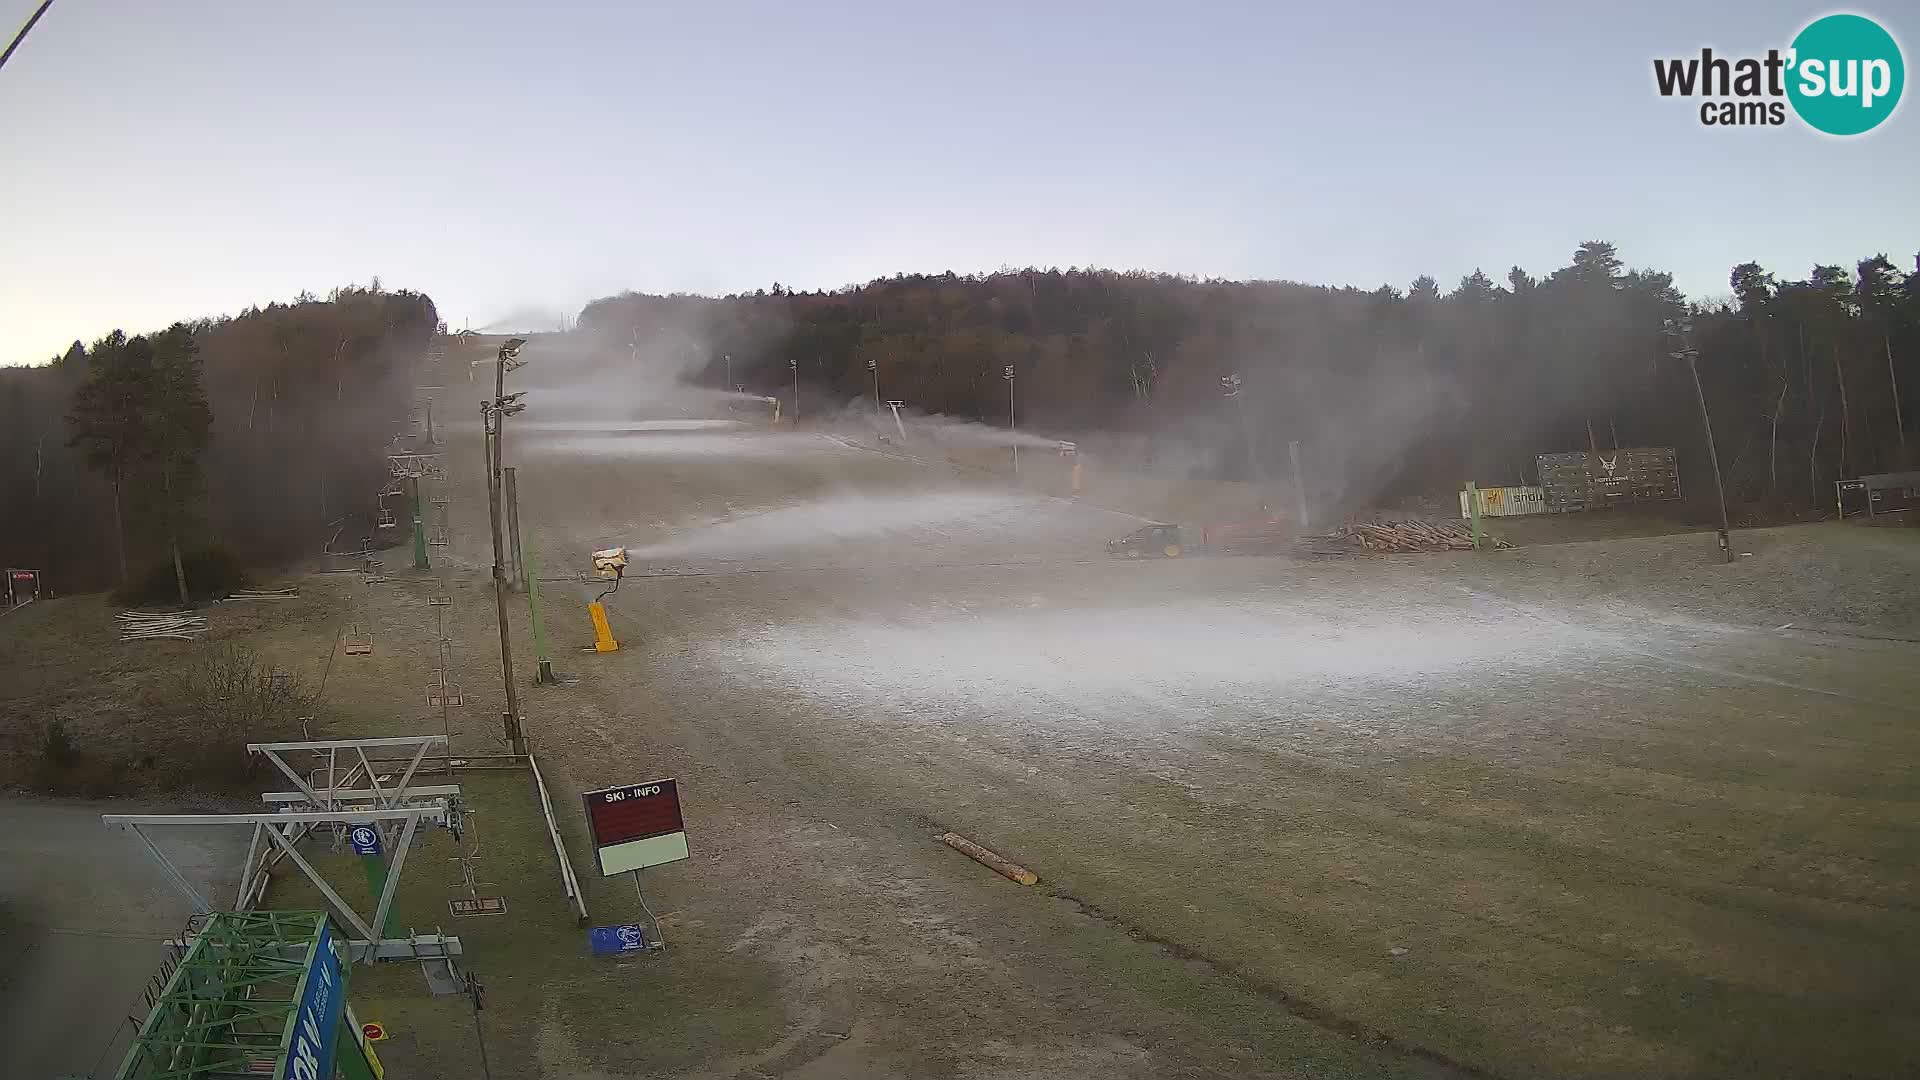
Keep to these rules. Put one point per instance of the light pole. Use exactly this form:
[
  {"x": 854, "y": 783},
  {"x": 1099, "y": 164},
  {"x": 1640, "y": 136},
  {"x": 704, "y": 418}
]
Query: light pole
[
  {"x": 1681, "y": 332},
  {"x": 1008, "y": 375},
  {"x": 1230, "y": 387},
  {"x": 493, "y": 416},
  {"x": 874, "y": 366},
  {"x": 729, "y": 358},
  {"x": 794, "y": 363}
]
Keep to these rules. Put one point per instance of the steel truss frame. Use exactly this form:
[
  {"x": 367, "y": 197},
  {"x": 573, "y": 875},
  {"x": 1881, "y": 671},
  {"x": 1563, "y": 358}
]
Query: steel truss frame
[
  {"x": 339, "y": 791},
  {"x": 283, "y": 832},
  {"x": 227, "y": 1009}
]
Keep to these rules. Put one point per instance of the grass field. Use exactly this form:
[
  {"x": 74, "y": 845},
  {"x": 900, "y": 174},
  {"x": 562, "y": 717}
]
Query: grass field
[{"x": 546, "y": 996}]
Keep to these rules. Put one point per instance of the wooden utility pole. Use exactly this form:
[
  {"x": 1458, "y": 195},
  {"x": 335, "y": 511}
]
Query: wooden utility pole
[
  {"x": 510, "y": 495},
  {"x": 493, "y": 416},
  {"x": 490, "y": 416},
  {"x": 1681, "y": 331},
  {"x": 1713, "y": 455}
]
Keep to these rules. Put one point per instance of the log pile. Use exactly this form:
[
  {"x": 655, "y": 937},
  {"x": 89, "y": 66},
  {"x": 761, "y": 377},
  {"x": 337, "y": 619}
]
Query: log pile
[
  {"x": 263, "y": 594},
  {"x": 148, "y": 625},
  {"x": 1359, "y": 537}
]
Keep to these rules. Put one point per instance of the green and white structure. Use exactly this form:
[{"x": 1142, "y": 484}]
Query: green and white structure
[{"x": 258, "y": 993}]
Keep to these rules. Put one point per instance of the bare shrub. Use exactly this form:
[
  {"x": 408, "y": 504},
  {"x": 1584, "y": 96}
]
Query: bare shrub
[
  {"x": 226, "y": 696},
  {"x": 57, "y": 747}
]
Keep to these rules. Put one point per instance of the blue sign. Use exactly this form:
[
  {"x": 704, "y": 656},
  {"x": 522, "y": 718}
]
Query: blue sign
[
  {"x": 317, "y": 1021},
  {"x": 613, "y": 940},
  {"x": 365, "y": 840}
]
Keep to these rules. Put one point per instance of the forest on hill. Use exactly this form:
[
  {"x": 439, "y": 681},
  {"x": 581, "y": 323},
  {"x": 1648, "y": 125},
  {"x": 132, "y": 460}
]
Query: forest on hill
[
  {"x": 1389, "y": 391},
  {"x": 299, "y": 401}
]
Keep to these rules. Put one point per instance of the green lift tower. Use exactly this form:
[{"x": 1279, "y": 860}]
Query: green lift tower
[{"x": 258, "y": 993}]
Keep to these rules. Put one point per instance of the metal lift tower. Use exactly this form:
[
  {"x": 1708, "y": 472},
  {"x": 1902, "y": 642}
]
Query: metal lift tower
[{"x": 259, "y": 993}]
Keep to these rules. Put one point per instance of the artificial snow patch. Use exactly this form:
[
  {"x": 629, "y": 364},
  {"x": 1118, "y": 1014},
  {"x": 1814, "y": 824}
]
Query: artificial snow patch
[{"x": 1143, "y": 667}]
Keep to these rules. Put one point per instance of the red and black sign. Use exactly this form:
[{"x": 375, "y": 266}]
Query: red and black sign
[
  {"x": 634, "y": 812},
  {"x": 22, "y": 586}
]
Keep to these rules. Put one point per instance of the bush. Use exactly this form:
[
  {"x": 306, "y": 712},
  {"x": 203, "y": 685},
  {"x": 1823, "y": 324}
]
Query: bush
[
  {"x": 57, "y": 747},
  {"x": 212, "y": 572},
  {"x": 227, "y": 696},
  {"x": 64, "y": 770}
]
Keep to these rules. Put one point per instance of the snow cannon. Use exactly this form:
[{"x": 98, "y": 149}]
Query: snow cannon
[
  {"x": 610, "y": 562},
  {"x": 1071, "y": 452},
  {"x": 607, "y": 563}
]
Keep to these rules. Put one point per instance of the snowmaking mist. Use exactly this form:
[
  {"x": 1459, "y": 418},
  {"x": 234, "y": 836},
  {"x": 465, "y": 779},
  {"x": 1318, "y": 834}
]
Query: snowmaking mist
[
  {"x": 904, "y": 519},
  {"x": 585, "y": 375},
  {"x": 945, "y": 431},
  {"x": 616, "y": 427},
  {"x": 596, "y": 439},
  {"x": 936, "y": 429}
]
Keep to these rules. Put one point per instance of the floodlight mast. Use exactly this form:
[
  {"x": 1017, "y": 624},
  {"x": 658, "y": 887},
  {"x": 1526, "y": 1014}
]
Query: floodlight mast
[
  {"x": 1008, "y": 375},
  {"x": 493, "y": 416},
  {"x": 1681, "y": 331}
]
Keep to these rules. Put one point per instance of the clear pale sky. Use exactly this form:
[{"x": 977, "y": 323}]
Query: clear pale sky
[{"x": 188, "y": 157}]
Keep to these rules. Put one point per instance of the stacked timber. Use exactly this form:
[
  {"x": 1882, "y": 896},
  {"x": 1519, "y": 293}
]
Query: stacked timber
[
  {"x": 262, "y": 594},
  {"x": 1359, "y": 537},
  {"x": 148, "y": 625}
]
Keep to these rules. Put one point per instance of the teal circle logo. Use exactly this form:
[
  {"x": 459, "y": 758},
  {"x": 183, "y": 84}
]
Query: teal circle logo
[{"x": 1846, "y": 76}]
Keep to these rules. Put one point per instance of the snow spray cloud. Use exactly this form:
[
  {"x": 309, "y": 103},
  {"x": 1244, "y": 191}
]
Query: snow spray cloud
[
  {"x": 946, "y": 431},
  {"x": 938, "y": 430},
  {"x": 622, "y": 440},
  {"x": 840, "y": 518},
  {"x": 636, "y": 359},
  {"x": 1369, "y": 444},
  {"x": 618, "y": 427}
]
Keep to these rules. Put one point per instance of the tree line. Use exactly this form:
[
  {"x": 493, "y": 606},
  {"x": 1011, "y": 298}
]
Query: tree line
[
  {"x": 264, "y": 429},
  {"x": 1389, "y": 391},
  {"x": 254, "y": 432}
]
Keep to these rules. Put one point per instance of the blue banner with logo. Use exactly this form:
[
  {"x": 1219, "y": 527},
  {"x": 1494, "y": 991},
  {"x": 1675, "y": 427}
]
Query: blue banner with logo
[
  {"x": 317, "y": 1020},
  {"x": 611, "y": 940},
  {"x": 365, "y": 840}
]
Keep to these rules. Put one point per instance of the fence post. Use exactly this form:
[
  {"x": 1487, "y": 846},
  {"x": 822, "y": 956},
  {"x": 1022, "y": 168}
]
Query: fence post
[{"x": 543, "y": 675}]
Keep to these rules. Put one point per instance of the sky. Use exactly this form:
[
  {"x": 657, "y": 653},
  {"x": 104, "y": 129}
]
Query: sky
[{"x": 161, "y": 161}]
